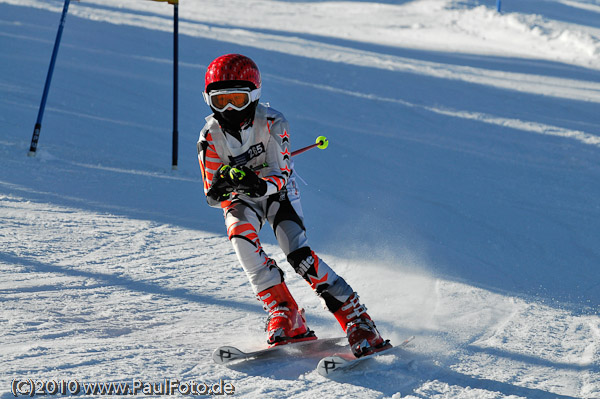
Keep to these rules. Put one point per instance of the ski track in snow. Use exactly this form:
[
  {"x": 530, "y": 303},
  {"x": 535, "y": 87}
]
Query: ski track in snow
[{"x": 112, "y": 269}]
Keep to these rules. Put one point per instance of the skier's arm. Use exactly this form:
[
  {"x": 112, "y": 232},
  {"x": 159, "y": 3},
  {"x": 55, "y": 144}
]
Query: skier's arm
[
  {"x": 209, "y": 166},
  {"x": 278, "y": 157}
]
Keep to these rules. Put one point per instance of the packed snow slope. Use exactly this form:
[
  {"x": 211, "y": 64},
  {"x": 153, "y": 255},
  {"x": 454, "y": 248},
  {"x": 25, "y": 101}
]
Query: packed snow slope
[{"x": 459, "y": 194}]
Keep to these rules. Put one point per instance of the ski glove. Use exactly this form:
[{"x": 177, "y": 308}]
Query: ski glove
[
  {"x": 222, "y": 186},
  {"x": 246, "y": 181}
]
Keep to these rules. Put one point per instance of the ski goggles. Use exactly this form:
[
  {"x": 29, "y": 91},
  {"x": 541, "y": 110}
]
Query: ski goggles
[{"x": 237, "y": 99}]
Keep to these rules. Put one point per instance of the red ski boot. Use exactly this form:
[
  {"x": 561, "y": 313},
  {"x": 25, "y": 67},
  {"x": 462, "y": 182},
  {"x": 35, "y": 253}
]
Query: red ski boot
[
  {"x": 362, "y": 334},
  {"x": 286, "y": 322}
]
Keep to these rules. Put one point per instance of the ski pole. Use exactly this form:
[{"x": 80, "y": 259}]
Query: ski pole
[{"x": 321, "y": 143}]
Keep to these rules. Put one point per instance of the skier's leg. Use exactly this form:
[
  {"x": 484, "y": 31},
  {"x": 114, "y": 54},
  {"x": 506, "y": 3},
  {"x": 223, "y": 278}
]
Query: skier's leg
[
  {"x": 286, "y": 322},
  {"x": 339, "y": 299},
  {"x": 285, "y": 215}
]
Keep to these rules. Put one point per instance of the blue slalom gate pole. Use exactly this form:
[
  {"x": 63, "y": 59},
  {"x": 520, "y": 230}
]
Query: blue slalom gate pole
[
  {"x": 175, "y": 145},
  {"x": 498, "y": 5},
  {"x": 38, "y": 123}
]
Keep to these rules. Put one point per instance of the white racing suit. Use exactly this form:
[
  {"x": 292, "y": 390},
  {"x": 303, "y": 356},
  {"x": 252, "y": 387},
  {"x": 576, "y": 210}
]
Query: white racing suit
[{"x": 267, "y": 142}]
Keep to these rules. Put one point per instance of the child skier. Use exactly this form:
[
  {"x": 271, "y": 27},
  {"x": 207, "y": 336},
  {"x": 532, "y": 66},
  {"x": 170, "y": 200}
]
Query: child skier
[{"x": 247, "y": 169}]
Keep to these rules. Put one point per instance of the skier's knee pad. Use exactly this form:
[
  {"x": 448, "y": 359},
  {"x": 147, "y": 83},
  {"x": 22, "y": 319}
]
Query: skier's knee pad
[
  {"x": 316, "y": 272},
  {"x": 302, "y": 260},
  {"x": 331, "y": 288}
]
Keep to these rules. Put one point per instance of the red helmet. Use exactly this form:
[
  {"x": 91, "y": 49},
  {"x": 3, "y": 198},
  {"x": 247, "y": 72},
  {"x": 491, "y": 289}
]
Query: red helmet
[{"x": 232, "y": 67}]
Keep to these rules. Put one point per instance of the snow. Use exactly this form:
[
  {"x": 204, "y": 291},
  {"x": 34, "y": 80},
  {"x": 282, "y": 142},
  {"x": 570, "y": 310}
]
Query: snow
[{"x": 459, "y": 194}]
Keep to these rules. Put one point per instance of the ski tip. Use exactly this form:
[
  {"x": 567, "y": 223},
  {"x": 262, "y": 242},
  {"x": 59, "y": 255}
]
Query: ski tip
[
  {"x": 330, "y": 364},
  {"x": 227, "y": 354}
]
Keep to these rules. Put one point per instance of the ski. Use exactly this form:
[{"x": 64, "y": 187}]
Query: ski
[
  {"x": 230, "y": 354},
  {"x": 346, "y": 361}
]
